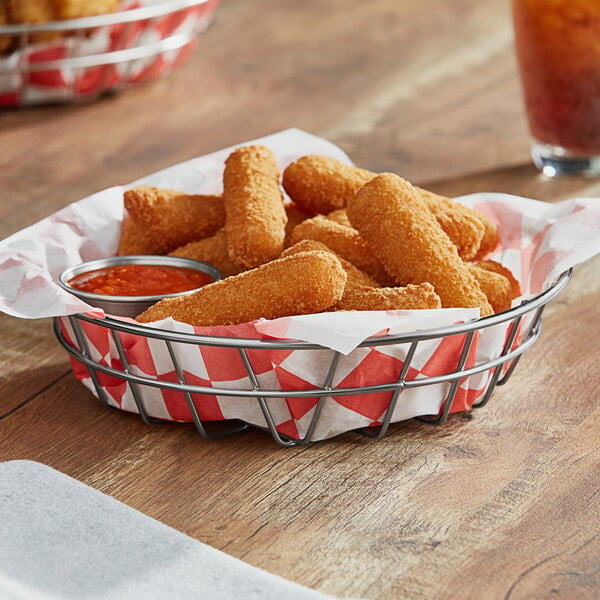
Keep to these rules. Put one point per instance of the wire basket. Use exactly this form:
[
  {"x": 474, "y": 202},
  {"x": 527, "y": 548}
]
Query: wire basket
[
  {"x": 517, "y": 329},
  {"x": 90, "y": 56}
]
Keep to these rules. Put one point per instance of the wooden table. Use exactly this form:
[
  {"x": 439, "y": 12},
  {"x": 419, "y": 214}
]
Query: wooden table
[{"x": 503, "y": 503}]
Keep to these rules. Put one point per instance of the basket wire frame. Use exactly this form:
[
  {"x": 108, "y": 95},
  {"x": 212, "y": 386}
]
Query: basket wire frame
[
  {"x": 78, "y": 63},
  {"x": 499, "y": 368}
]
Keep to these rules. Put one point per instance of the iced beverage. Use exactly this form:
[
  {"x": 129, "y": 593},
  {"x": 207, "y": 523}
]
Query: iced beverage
[{"x": 558, "y": 50}]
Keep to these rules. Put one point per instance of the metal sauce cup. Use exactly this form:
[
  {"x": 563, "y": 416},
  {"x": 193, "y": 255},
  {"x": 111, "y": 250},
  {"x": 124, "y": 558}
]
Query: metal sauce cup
[{"x": 130, "y": 306}]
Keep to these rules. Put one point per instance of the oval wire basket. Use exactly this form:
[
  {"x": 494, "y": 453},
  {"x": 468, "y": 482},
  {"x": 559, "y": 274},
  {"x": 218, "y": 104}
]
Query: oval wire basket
[
  {"x": 522, "y": 325},
  {"x": 141, "y": 43}
]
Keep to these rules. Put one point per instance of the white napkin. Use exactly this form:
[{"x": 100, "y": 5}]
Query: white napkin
[{"x": 60, "y": 539}]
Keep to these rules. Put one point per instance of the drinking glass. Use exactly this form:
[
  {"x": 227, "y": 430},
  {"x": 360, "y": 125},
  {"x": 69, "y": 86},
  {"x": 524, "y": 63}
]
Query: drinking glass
[{"x": 558, "y": 53}]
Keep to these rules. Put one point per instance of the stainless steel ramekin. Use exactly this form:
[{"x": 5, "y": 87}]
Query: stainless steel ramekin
[{"x": 130, "y": 306}]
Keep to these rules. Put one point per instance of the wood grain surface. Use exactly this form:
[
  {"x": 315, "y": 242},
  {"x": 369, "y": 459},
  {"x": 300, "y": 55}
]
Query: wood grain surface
[{"x": 503, "y": 502}]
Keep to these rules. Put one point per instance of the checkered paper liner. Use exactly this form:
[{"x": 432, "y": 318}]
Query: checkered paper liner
[
  {"x": 303, "y": 378},
  {"x": 144, "y": 40}
]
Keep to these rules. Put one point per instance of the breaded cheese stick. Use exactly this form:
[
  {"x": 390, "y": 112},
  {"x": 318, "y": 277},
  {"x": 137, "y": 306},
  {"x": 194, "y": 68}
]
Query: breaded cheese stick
[
  {"x": 74, "y": 9},
  {"x": 5, "y": 40},
  {"x": 390, "y": 215},
  {"x": 212, "y": 250},
  {"x": 255, "y": 215},
  {"x": 496, "y": 287},
  {"x": 339, "y": 216},
  {"x": 304, "y": 283},
  {"x": 134, "y": 241},
  {"x": 32, "y": 11},
  {"x": 463, "y": 226},
  {"x": 489, "y": 241},
  {"x": 410, "y": 297},
  {"x": 356, "y": 277},
  {"x": 324, "y": 184},
  {"x": 505, "y": 290},
  {"x": 295, "y": 216},
  {"x": 345, "y": 242},
  {"x": 173, "y": 218}
]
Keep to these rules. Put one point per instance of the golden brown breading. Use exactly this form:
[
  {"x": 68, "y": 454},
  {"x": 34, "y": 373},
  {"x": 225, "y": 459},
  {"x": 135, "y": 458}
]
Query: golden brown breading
[
  {"x": 462, "y": 225},
  {"x": 324, "y": 184},
  {"x": 356, "y": 278},
  {"x": 212, "y": 250},
  {"x": 339, "y": 216},
  {"x": 295, "y": 216},
  {"x": 43, "y": 11},
  {"x": 410, "y": 297},
  {"x": 172, "y": 218},
  {"x": 5, "y": 40},
  {"x": 389, "y": 213},
  {"x": 495, "y": 286},
  {"x": 307, "y": 282},
  {"x": 255, "y": 215},
  {"x": 490, "y": 239},
  {"x": 345, "y": 242},
  {"x": 134, "y": 241},
  {"x": 32, "y": 11},
  {"x": 74, "y": 9},
  {"x": 514, "y": 289}
]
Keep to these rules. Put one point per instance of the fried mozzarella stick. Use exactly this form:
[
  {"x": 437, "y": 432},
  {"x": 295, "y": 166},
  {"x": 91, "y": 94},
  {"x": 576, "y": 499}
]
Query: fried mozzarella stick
[
  {"x": 345, "y": 242},
  {"x": 356, "y": 278},
  {"x": 295, "y": 216},
  {"x": 134, "y": 241},
  {"x": 324, "y": 185},
  {"x": 390, "y": 215},
  {"x": 410, "y": 297},
  {"x": 364, "y": 293},
  {"x": 495, "y": 286},
  {"x": 339, "y": 216},
  {"x": 32, "y": 11},
  {"x": 74, "y": 9},
  {"x": 307, "y": 282},
  {"x": 255, "y": 215},
  {"x": 173, "y": 218},
  {"x": 465, "y": 227},
  {"x": 212, "y": 250},
  {"x": 5, "y": 40},
  {"x": 497, "y": 283}
]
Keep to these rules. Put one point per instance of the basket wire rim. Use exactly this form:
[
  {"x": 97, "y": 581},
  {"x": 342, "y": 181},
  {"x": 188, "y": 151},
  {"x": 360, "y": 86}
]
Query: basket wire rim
[
  {"x": 526, "y": 306},
  {"x": 304, "y": 393}
]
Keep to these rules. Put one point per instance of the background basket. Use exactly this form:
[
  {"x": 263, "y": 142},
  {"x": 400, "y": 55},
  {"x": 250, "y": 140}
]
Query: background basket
[
  {"x": 95, "y": 55},
  {"x": 103, "y": 354}
]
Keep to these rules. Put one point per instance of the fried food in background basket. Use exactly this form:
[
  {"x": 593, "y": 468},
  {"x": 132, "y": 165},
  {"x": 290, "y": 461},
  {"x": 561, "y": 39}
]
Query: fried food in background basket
[
  {"x": 5, "y": 41},
  {"x": 387, "y": 246},
  {"x": 40, "y": 11},
  {"x": 44, "y": 11}
]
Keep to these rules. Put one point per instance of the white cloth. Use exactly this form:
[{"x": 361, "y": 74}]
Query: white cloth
[{"x": 60, "y": 539}]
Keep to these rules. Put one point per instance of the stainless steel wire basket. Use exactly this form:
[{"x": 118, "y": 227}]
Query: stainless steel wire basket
[
  {"x": 518, "y": 328},
  {"x": 90, "y": 56}
]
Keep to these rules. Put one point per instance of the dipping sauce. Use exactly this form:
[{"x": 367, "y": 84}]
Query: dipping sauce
[{"x": 140, "y": 280}]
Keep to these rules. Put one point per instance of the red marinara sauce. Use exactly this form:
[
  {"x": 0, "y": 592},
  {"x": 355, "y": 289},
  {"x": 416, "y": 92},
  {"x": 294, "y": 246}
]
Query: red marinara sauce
[{"x": 140, "y": 280}]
